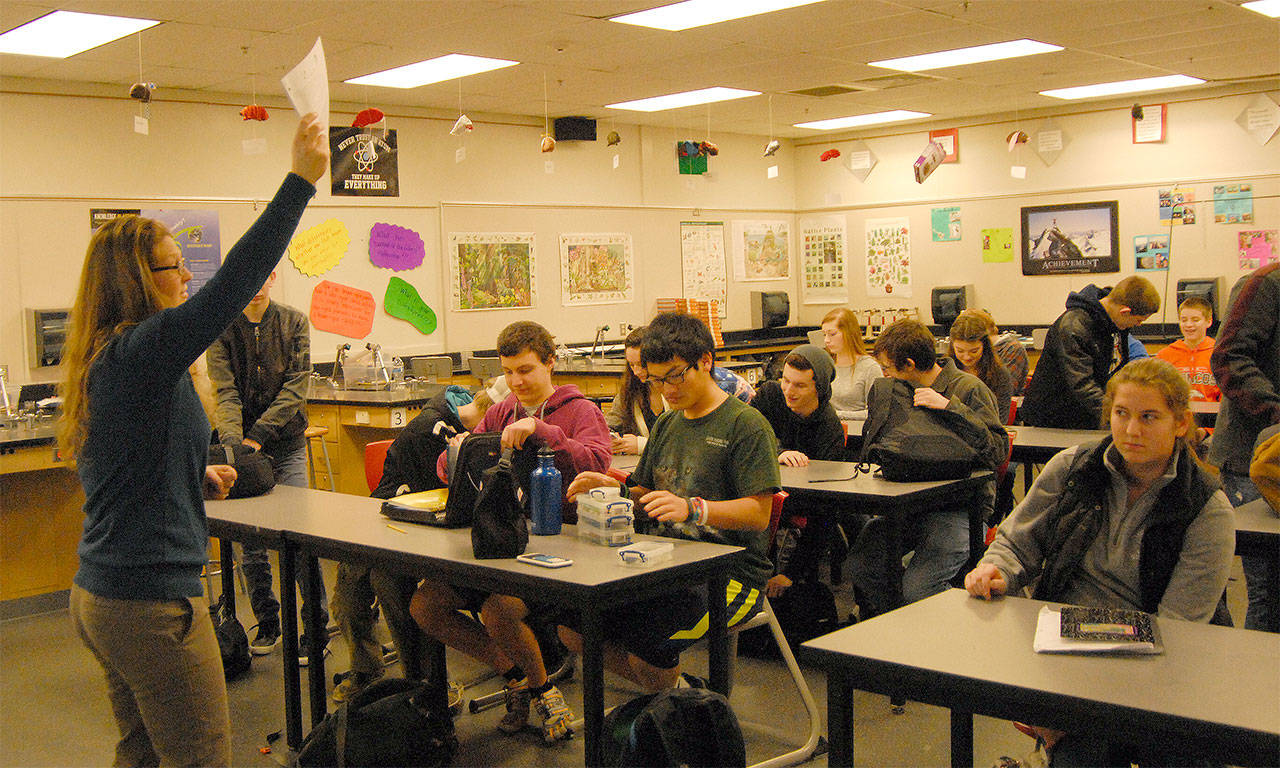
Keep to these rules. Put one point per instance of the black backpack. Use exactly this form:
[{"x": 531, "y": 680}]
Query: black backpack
[
  {"x": 233, "y": 643},
  {"x": 676, "y": 727},
  {"x": 254, "y": 475},
  {"x": 498, "y": 527},
  {"x": 393, "y": 722},
  {"x": 477, "y": 454},
  {"x": 912, "y": 443}
]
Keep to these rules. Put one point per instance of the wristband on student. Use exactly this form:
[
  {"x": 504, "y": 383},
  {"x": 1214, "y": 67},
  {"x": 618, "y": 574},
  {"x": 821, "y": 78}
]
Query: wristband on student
[{"x": 697, "y": 510}]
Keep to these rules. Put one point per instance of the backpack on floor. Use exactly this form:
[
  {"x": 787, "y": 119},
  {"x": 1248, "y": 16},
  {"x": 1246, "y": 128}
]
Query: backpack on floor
[
  {"x": 912, "y": 443},
  {"x": 233, "y": 643},
  {"x": 676, "y": 727},
  {"x": 805, "y": 611},
  {"x": 392, "y": 722}
]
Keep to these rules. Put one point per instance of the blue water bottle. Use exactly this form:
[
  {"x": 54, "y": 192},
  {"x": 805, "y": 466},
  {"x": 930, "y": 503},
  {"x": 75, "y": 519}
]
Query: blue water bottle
[{"x": 545, "y": 493}]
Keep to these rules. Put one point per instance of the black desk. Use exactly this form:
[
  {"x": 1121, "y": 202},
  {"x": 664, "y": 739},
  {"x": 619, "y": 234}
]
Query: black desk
[
  {"x": 349, "y": 528},
  {"x": 1258, "y": 533},
  {"x": 1213, "y": 689}
]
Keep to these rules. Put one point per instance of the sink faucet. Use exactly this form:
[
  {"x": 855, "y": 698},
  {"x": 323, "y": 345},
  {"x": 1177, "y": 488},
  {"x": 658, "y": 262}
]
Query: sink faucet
[
  {"x": 600, "y": 331},
  {"x": 4, "y": 391},
  {"x": 376, "y": 349},
  {"x": 337, "y": 364}
]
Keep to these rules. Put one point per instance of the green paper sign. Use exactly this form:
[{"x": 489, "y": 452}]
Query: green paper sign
[
  {"x": 997, "y": 244},
  {"x": 402, "y": 300}
]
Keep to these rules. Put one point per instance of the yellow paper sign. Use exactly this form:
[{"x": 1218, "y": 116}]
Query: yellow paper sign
[{"x": 319, "y": 249}]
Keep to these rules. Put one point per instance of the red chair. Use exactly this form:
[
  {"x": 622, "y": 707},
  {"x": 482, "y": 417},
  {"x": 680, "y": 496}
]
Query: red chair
[{"x": 375, "y": 455}]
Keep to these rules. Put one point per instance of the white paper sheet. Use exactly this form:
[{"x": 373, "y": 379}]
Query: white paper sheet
[{"x": 308, "y": 85}]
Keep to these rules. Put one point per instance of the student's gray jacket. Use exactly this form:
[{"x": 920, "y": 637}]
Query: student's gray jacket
[
  {"x": 1108, "y": 574},
  {"x": 261, "y": 374}
]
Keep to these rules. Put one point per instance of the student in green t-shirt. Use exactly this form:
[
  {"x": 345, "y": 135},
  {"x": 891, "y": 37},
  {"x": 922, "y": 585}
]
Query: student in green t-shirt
[{"x": 708, "y": 473}]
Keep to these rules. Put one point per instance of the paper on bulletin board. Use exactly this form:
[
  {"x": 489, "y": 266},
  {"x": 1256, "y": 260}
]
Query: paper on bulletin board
[
  {"x": 702, "y": 261},
  {"x": 1151, "y": 253},
  {"x": 945, "y": 224},
  {"x": 401, "y": 300},
  {"x": 761, "y": 250},
  {"x": 197, "y": 235},
  {"x": 342, "y": 309},
  {"x": 1233, "y": 204},
  {"x": 1177, "y": 206},
  {"x": 317, "y": 250},
  {"x": 888, "y": 253},
  {"x": 824, "y": 259},
  {"x": 1258, "y": 248},
  {"x": 997, "y": 244},
  {"x": 397, "y": 248},
  {"x": 596, "y": 268}
]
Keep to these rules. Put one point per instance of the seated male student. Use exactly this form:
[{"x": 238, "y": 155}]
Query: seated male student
[
  {"x": 1085, "y": 345},
  {"x": 806, "y": 426},
  {"x": 572, "y": 426},
  {"x": 939, "y": 536},
  {"x": 1191, "y": 353},
  {"x": 708, "y": 473},
  {"x": 410, "y": 467}
]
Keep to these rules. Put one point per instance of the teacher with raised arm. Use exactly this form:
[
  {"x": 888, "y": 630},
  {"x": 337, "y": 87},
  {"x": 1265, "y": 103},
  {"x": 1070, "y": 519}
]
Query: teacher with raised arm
[{"x": 134, "y": 424}]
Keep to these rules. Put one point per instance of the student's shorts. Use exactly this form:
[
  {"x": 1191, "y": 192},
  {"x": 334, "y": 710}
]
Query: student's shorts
[{"x": 658, "y": 629}]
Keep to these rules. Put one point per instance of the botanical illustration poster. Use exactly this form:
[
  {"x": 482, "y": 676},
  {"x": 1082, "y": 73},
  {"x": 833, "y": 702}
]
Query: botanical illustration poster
[
  {"x": 702, "y": 261},
  {"x": 824, "y": 259},
  {"x": 1233, "y": 204},
  {"x": 945, "y": 223},
  {"x": 888, "y": 251},
  {"x": 997, "y": 244},
  {"x": 1177, "y": 206},
  {"x": 491, "y": 270},
  {"x": 1258, "y": 248},
  {"x": 596, "y": 268},
  {"x": 1151, "y": 253},
  {"x": 761, "y": 250}
]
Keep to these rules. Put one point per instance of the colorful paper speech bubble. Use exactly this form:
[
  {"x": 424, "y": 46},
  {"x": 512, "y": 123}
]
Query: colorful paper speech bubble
[
  {"x": 342, "y": 309},
  {"x": 319, "y": 249},
  {"x": 395, "y": 247},
  {"x": 402, "y": 300}
]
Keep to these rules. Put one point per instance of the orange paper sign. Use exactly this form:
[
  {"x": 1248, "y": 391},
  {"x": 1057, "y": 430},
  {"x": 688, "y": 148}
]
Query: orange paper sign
[{"x": 342, "y": 309}]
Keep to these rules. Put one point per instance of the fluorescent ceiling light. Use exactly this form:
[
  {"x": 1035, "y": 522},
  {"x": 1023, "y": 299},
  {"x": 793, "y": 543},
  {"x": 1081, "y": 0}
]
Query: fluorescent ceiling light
[
  {"x": 856, "y": 121},
  {"x": 686, "y": 99},
  {"x": 1265, "y": 7},
  {"x": 65, "y": 33},
  {"x": 1123, "y": 86},
  {"x": 699, "y": 13},
  {"x": 435, "y": 70},
  {"x": 960, "y": 56}
]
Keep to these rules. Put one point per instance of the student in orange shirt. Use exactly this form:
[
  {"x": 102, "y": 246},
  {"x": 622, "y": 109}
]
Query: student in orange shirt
[{"x": 1191, "y": 353}]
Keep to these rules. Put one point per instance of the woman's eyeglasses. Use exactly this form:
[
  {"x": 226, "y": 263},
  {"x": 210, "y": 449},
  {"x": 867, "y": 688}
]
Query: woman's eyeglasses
[{"x": 182, "y": 264}]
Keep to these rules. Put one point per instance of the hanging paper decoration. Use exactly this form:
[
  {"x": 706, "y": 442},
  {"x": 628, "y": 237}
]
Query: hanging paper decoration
[
  {"x": 709, "y": 149},
  {"x": 1016, "y": 138},
  {"x": 613, "y": 139},
  {"x": 771, "y": 147},
  {"x": 142, "y": 92},
  {"x": 462, "y": 125},
  {"x": 548, "y": 143},
  {"x": 367, "y": 117},
  {"x": 830, "y": 154},
  {"x": 254, "y": 112}
]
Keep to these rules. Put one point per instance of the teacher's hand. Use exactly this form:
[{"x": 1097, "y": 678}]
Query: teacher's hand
[
  {"x": 218, "y": 479},
  {"x": 310, "y": 149}
]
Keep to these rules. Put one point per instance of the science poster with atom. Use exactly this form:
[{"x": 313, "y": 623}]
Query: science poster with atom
[{"x": 888, "y": 250}]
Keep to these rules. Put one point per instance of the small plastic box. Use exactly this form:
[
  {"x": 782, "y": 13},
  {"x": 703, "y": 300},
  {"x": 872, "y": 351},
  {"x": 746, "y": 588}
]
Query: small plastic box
[
  {"x": 645, "y": 553},
  {"x": 604, "y": 517}
]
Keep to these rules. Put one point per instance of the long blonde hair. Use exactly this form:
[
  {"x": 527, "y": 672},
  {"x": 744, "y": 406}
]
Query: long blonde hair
[
  {"x": 847, "y": 322},
  {"x": 116, "y": 291}
]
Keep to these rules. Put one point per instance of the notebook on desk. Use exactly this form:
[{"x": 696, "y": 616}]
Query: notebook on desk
[{"x": 424, "y": 507}]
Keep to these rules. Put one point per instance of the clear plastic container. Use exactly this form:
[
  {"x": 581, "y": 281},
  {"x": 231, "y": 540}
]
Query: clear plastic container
[
  {"x": 605, "y": 517},
  {"x": 645, "y": 553}
]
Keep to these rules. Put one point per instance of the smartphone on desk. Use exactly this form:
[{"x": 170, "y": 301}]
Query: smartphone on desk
[{"x": 544, "y": 560}]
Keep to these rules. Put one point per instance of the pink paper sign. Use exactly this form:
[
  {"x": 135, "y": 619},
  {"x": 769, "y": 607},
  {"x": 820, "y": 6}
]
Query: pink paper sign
[
  {"x": 395, "y": 247},
  {"x": 342, "y": 309}
]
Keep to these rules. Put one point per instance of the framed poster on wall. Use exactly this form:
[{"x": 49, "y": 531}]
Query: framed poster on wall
[{"x": 1073, "y": 237}]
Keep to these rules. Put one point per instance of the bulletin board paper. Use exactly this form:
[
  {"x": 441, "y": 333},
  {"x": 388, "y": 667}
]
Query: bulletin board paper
[
  {"x": 317, "y": 250},
  {"x": 1151, "y": 253},
  {"x": 824, "y": 258},
  {"x": 1177, "y": 206},
  {"x": 397, "y": 248},
  {"x": 1233, "y": 204},
  {"x": 702, "y": 259},
  {"x": 888, "y": 252},
  {"x": 342, "y": 309},
  {"x": 402, "y": 300},
  {"x": 1258, "y": 248},
  {"x": 997, "y": 245},
  {"x": 197, "y": 235},
  {"x": 761, "y": 250},
  {"x": 596, "y": 268},
  {"x": 945, "y": 224},
  {"x": 492, "y": 270}
]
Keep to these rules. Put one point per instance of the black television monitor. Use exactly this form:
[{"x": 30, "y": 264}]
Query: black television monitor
[
  {"x": 1207, "y": 288},
  {"x": 769, "y": 309},
  {"x": 948, "y": 301}
]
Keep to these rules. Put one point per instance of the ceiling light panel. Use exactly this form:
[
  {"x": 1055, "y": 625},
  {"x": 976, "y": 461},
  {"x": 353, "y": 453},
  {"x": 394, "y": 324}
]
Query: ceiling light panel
[
  {"x": 436, "y": 70},
  {"x": 1123, "y": 86},
  {"x": 1011, "y": 49},
  {"x": 61, "y": 34},
  {"x": 1265, "y": 7},
  {"x": 699, "y": 13},
  {"x": 858, "y": 121},
  {"x": 686, "y": 99}
]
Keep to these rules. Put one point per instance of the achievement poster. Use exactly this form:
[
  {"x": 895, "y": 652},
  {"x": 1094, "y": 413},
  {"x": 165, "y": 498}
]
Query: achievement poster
[
  {"x": 888, "y": 253},
  {"x": 363, "y": 163},
  {"x": 702, "y": 261},
  {"x": 823, "y": 261}
]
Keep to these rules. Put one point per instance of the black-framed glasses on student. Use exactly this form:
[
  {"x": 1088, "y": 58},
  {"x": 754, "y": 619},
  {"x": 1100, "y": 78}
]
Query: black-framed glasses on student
[
  {"x": 181, "y": 264},
  {"x": 674, "y": 379}
]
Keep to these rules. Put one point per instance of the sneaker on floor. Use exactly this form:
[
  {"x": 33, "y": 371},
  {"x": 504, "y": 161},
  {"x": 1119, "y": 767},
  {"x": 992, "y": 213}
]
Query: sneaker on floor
[
  {"x": 304, "y": 650},
  {"x": 517, "y": 700},
  {"x": 687, "y": 680},
  {"x": 389, "y": 654},
  {"x": 353, "y": 683},
  {"x": 265, "y": 641},
  {"x": 557, "y": 718}
]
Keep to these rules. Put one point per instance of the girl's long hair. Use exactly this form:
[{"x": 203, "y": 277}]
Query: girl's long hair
[
  {"x": 972, "y": 328},
  {"x": 633, "y": 388},
  {"x": 116, "y": 291}
]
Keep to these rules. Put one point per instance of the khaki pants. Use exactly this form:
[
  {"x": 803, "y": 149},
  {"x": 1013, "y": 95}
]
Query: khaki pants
[{"x": 164, "y": 677}]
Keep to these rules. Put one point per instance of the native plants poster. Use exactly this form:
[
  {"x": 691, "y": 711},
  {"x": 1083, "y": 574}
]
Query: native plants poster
[
  {"x": 596, "y": 268},
  {"x": 823, "y": 261},
  {"x": 491, "y": 270}
]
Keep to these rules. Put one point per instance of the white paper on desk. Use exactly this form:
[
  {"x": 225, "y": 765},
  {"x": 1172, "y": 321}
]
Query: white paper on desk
[
  {"x": 308, "y": 85},
  {"x": 1049, "y": 639}
]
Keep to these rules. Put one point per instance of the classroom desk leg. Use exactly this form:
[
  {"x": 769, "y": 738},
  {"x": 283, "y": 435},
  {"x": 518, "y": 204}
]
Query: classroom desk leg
[
  {"x": 593, "y": 686},
  {"x": 839, "y": 720},
  {"x": 895, "y": 555},
  {"x": 228, "y": 575},
  {"x": 438, "y": 673},
  {"x": 317, "y": 639},
  {"x": 717, "y": 635},
  {"x": 289, "y": 633},
  {"x": 961, "y": 738}
]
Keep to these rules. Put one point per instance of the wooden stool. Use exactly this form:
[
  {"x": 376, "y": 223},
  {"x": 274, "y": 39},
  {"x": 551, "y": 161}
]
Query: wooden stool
[{"x": 312, "y": 433}]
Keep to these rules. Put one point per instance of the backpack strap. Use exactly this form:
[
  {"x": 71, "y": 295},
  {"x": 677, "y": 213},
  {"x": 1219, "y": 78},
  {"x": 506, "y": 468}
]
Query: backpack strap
[{"x": 340, "y": 733}]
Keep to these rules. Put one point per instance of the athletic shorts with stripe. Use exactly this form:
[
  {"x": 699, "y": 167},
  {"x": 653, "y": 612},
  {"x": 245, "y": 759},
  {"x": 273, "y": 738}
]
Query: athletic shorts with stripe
[{"x": 658, "y": 629}]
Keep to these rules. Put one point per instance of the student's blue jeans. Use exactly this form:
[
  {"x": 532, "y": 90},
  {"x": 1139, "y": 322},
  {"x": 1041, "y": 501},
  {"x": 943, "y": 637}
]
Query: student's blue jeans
[
  {"x": 940, "y": 542},
  {"x": 290, "y": 469},
  {"x": 1264, "y": 607}
]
